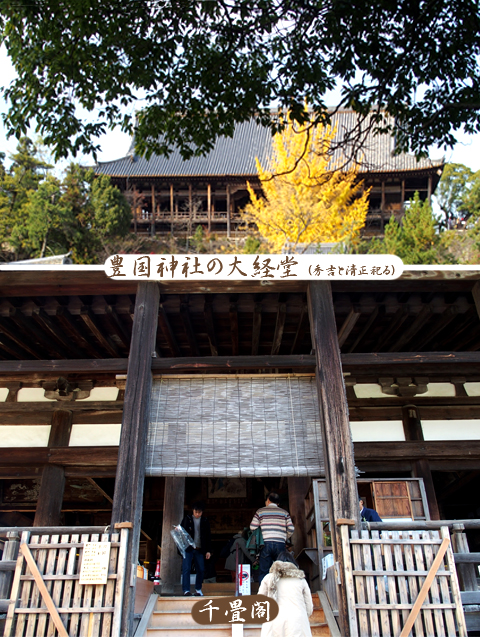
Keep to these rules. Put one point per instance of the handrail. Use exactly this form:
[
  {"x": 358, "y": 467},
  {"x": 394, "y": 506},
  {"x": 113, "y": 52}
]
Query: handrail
[
  {"x": 419, "y": 525},
  {"x": 54, "y": 530}
]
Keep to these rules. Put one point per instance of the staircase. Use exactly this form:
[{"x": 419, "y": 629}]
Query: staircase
[{"x": 171, "y": 618}]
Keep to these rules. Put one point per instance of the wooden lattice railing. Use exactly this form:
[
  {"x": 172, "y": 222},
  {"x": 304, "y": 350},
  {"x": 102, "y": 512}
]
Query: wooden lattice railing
[
  {"x": 402, "y": 581},
  {"x": 46, "y": 596}
]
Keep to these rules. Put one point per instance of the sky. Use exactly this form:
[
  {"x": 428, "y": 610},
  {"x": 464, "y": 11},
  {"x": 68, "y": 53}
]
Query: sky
[{"x": 115, "y": 144}]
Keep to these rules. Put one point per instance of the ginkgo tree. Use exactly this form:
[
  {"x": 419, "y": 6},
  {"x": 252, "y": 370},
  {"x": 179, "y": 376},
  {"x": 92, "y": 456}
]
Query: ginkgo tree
[{"x": 308, "y": 197}]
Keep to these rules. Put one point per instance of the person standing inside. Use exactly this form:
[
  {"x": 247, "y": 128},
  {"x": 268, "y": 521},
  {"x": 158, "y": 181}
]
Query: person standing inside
[
  {"x": 198, "y": 527},
  {"x": 368, "y": 515},
  {"x": 276, "y": 525}
]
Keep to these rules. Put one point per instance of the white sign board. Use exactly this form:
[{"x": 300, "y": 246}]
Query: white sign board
[
  {"x": 95, "y": 561},
  {"x": 244, "y": 580}
]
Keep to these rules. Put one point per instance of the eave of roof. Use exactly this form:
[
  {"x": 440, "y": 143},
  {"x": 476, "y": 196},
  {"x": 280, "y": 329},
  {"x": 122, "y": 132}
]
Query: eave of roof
[{"x": 236, "y": 157}]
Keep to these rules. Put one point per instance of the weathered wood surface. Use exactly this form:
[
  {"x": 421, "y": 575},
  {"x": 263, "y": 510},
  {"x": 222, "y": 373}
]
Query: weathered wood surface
[
  {"x": 388, "y": 574},
  {"x": 336, "y": 435},
  {"x": 172, "y": 514},
  {"x": 53, "y": 578},
  {"x": 353, "y": 362},
  {"x": 50, "y": 498},
  {"x": 129, "y": 481},
  {"x": 101, "y": 461}
]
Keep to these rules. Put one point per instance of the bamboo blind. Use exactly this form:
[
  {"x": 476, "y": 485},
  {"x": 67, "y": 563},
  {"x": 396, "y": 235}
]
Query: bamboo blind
[
  {"x": 384, "y": 573},
  {"x": 85, "y": 610},
  {"x": 234, "y": 426}
]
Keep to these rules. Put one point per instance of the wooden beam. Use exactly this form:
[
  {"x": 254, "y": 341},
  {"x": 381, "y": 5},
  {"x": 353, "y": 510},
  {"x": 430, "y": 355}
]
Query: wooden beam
[
  {"x": 210, "y": 326},
  {"x": 301, "y": 330},
  {"x": 412, "y": 426},
  {"x": 24, "y": 413},
  {"x": 187, "y": 324},
  {"x": 422, "y": 318},
  {"x": 256, "y": 327},
  {"x": 375, "y": 363},
  {"x": 164, "y": 323},
  {"x": 279, "y": 327},
  {"x": 431, "y": 449},
  {"x": 233, "y": 315},
  {"x": 421, "y": 469},
  {"x": 348, "y": 325},
  {"x": 50, "y": 497},
  {"x": 367, "y": 327},
  {"x": 447, "y": 317},
  {"x": 336, "y": 436},
  {"x": 90, "y": 366},
  {"x": 91, "y": 323},
  {"x": 128, "y": 495}
]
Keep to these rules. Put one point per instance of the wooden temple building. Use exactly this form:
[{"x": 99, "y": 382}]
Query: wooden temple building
[
  {"x": 123, "y": 402},
  {"x": 172, "y": 195}
]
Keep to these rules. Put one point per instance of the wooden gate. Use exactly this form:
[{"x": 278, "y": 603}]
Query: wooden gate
[
  {"x": 397, "y": 581},
  {"x": 47, "y": 598}
]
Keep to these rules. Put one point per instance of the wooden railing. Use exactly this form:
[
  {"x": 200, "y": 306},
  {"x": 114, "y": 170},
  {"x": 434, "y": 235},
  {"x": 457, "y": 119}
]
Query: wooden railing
[
  {"x": 390, "y": 587},
  {"x": 46, "y": 596}
]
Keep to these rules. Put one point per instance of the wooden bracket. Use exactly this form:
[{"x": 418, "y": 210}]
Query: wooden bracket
[
  {"x": 347, "y": 521},
  {"x": 123, "y": 525}
]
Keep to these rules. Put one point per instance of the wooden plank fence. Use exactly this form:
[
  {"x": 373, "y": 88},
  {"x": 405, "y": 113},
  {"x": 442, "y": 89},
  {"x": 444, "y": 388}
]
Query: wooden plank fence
[
  {"x": 384, "y": 574},
  {"x": 47, "y": 598}
]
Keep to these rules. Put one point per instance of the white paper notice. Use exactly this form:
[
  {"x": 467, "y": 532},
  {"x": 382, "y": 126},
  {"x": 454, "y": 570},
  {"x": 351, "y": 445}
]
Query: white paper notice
[{"x": 95, "y": 560}]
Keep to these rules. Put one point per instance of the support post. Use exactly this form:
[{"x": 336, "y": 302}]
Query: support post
[
  {"x": 52, "y": 486},
  {"x": 228, "y": 211},
  {"x": 173, "y": 508},
  {"x": 152, "y": 227},
  {"x": 412, "y": 427},
  {"x": 129, "y": 480},
  {"x": 297, "y": 490},
  {"x": 209, "y": 206},
  {"x": 335, "y": 426},
  {"x": 172, "y": 211}
]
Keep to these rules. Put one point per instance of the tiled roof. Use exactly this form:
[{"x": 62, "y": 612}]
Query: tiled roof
[{"x": 236, "y": 156}]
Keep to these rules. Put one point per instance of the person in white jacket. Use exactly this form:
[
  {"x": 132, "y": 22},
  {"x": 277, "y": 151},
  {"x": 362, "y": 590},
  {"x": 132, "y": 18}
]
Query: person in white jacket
[{"x": 286, "y": 584}]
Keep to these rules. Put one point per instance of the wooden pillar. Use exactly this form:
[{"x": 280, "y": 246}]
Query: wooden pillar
[
  {"x": 129, "y": 480},
  {"x": 52, "y": 486},
  {"x": 135, "y": 202},
  {"x": 172, "y": 212},
  {"x": 152, "y": 227},
  {"x": 297, "y": 490},
  {"x": 335, "y": 426},
  {"x": 190, "y": 211},
  {"x": 412, "y": 427},
  {"x": 173, "y": 509},
  {"x": 209, "y": 206},
  {"x": 430, "y": 189},
  {"x": 228, "y": 211},
  {"x": 382, "y": 206},
  {"x": 402, "y": 197}
]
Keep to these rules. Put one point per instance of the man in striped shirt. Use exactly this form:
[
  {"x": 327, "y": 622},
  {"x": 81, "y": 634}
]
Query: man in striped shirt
[{"x": 276, "y": 525}]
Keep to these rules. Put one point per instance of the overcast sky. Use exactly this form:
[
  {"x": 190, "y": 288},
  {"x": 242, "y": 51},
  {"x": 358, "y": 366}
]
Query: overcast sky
[{"x": 115, "y": 144}]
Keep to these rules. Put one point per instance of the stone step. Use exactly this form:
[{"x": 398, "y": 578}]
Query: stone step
[
  {"x": 172, "y": 618},
  {"x": 204, "y": 632}
]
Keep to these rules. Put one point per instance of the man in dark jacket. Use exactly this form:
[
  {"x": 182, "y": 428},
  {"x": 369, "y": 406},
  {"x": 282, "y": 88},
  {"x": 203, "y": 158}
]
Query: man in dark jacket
[
  {"x": 199, "y": 528},
  {"x": 368, "y": 515}
]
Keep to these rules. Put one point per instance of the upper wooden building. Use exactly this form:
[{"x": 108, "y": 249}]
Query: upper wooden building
[
  {"x": 169, "y": 194},
  {"x": 124, "y": 401}
]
